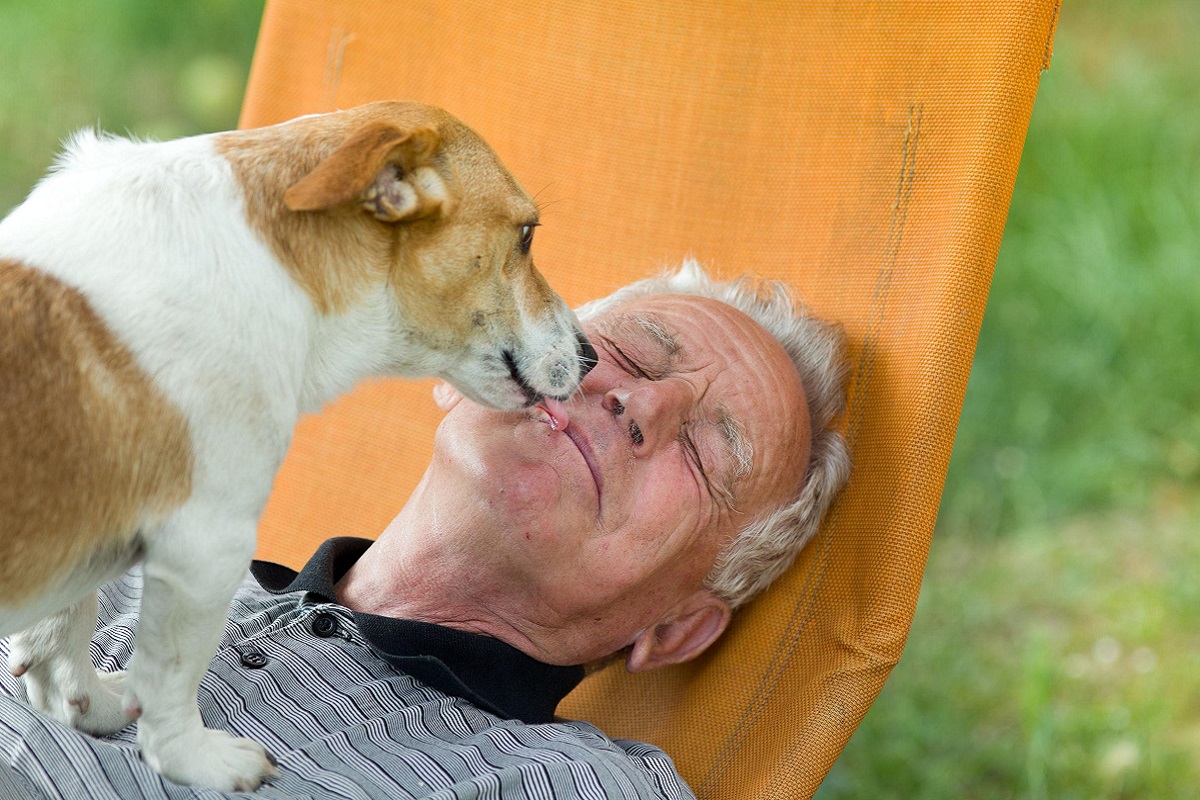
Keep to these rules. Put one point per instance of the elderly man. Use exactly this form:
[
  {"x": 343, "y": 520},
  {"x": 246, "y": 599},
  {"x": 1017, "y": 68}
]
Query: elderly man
[{"x": 685, "y": 475}]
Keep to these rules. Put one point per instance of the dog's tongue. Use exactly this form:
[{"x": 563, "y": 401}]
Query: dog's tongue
[{"x": 556, "y": 411}]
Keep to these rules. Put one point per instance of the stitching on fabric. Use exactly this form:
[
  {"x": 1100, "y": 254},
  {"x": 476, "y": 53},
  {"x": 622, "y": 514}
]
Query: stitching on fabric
[
  {"x": 801, "y": 616},
  {"x": 883, "y": 281},
  {"x": 1049, "y": 51},
  {"x": 339, "y": 39}
]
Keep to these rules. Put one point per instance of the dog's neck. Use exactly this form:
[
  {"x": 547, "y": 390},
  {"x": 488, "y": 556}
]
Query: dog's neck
[
  {"x": 338, "y": 260},
  {"x": 347, "y": 347}
]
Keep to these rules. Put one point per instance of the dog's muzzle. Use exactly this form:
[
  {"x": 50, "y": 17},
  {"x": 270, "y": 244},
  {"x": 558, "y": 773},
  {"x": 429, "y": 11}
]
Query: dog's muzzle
[{"x": 585, "y": 353}]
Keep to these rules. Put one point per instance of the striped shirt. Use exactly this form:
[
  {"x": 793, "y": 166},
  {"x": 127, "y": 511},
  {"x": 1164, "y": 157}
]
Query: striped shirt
[{"x": 351, "y": 705}]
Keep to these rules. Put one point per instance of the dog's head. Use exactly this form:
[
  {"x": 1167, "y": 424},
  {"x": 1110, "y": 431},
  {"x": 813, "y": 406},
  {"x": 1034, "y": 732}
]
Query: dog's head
[{"x": 405, "y": 194}]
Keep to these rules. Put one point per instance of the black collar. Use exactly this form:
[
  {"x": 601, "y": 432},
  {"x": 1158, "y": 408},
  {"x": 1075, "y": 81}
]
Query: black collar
[{"x": 488, "y": 672}]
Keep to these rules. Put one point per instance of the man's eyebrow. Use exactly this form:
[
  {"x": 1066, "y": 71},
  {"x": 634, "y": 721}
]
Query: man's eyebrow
[
  {"x": 659, "y": 333},
  {"x": 737, "y": 445}
]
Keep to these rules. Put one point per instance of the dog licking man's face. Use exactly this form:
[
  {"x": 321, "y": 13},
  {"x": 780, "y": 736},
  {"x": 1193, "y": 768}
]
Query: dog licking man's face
[
  {"x": 458, "y": 230},
  {"x": 511, "y": 339},
  {"x": 200, "y": 294}
]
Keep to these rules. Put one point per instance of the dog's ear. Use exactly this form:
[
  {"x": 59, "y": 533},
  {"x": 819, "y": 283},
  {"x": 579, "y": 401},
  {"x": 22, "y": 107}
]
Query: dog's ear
[{"x": 386, "y": 169}]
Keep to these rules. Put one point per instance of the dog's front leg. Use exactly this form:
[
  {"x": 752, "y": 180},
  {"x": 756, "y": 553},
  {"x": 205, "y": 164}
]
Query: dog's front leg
[
  {"x": 192, "y": 569},
  {"x": 59, "y": 677}
]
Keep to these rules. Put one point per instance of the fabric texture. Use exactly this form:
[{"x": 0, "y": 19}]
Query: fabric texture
[
  {"x": 863, "y": 152},
  {"x": 301, "y": 676}
]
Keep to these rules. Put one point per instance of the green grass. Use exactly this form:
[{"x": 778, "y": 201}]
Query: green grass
[
  {"x": 1057, "y": 663},
  {"x": 1084, "y": 393},
  {"x": 151, "y": 67}
]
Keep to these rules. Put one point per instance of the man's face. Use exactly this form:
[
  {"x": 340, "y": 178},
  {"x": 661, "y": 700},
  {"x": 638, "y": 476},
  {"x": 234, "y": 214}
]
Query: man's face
[{"x": 693, "y": 423}]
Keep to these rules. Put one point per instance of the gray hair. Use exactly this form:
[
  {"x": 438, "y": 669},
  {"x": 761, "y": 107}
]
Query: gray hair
[{"x": 766, "y": 546}]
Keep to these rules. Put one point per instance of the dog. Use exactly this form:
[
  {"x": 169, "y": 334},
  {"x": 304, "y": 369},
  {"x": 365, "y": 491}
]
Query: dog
[{"x": 168, "y": 310}]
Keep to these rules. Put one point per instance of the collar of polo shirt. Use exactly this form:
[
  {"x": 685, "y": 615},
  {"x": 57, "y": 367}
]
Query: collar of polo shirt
[{"x": 489, "y": 673}]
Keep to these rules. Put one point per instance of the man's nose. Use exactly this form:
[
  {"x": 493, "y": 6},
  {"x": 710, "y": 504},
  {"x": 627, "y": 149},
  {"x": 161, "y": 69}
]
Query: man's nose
[{"x": 652, "y": 412}]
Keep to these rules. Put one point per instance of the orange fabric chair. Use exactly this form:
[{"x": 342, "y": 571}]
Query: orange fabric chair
[{"x": 864, "y": 152}]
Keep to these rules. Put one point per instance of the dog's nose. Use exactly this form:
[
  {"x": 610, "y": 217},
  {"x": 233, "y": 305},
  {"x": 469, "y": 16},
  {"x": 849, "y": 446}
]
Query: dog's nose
[{"x": 587, "y": 355}]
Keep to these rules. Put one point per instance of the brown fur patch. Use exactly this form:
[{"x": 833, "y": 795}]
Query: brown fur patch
[
  {"x": 336, "y": 254},
  {"x": 89, "y": 447}
]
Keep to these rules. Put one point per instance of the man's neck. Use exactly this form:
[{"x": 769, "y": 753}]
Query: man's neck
[
  {"x": 404, "y": 577},
  {"x": 431, "y": 564}
]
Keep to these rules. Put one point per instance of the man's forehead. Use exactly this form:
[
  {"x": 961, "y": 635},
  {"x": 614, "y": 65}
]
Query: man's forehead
[
  {"x": 668, "y": 318},
  {"x": 653, "y": 326},
  {"x": 691, "y": 333},
  {"x": 688, "y": 328}
]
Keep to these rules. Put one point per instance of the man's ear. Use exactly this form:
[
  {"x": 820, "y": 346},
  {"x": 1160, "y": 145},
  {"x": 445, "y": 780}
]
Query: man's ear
[
  {"x": 385, "y": 168},
  {"x": 682, "y": 635},
  {"x": 445, "y": 395}
]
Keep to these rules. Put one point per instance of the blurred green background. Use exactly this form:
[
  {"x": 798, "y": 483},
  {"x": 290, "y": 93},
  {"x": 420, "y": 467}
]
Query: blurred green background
[
  {"x": 151, "y": 68},
  {"x": 1056, "y": 648}
]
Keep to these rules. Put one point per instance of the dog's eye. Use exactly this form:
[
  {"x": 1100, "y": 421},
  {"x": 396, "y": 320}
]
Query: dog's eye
[{"x": 527, "y": 236}]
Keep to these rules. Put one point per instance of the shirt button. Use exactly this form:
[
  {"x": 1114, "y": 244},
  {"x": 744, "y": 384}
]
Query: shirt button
[
  {"x": 253, "y": 659},
  {"x": 325, "y": 625}
]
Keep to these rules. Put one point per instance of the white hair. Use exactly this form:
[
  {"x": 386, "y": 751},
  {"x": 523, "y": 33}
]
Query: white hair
[{"x": 766, "y": 546}]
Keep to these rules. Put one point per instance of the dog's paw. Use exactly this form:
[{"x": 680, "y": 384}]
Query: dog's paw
[
  {"x": 210, "y": 758},
  {"x": 81, "y": 697}
]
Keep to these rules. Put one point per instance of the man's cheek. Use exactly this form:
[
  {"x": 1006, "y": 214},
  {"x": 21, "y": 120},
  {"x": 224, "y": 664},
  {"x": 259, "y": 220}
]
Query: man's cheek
[{"x": 527, "y": 492}]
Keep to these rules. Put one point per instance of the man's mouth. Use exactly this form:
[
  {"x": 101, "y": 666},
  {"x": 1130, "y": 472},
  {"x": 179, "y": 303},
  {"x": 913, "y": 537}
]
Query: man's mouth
[
  {"x": 554, "y": 414},
  {"x": 585, "y": 449}
]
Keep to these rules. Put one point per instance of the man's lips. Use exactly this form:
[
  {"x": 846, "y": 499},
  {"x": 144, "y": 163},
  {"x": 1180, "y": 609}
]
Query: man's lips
[{"x": 560, "y": 420}]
